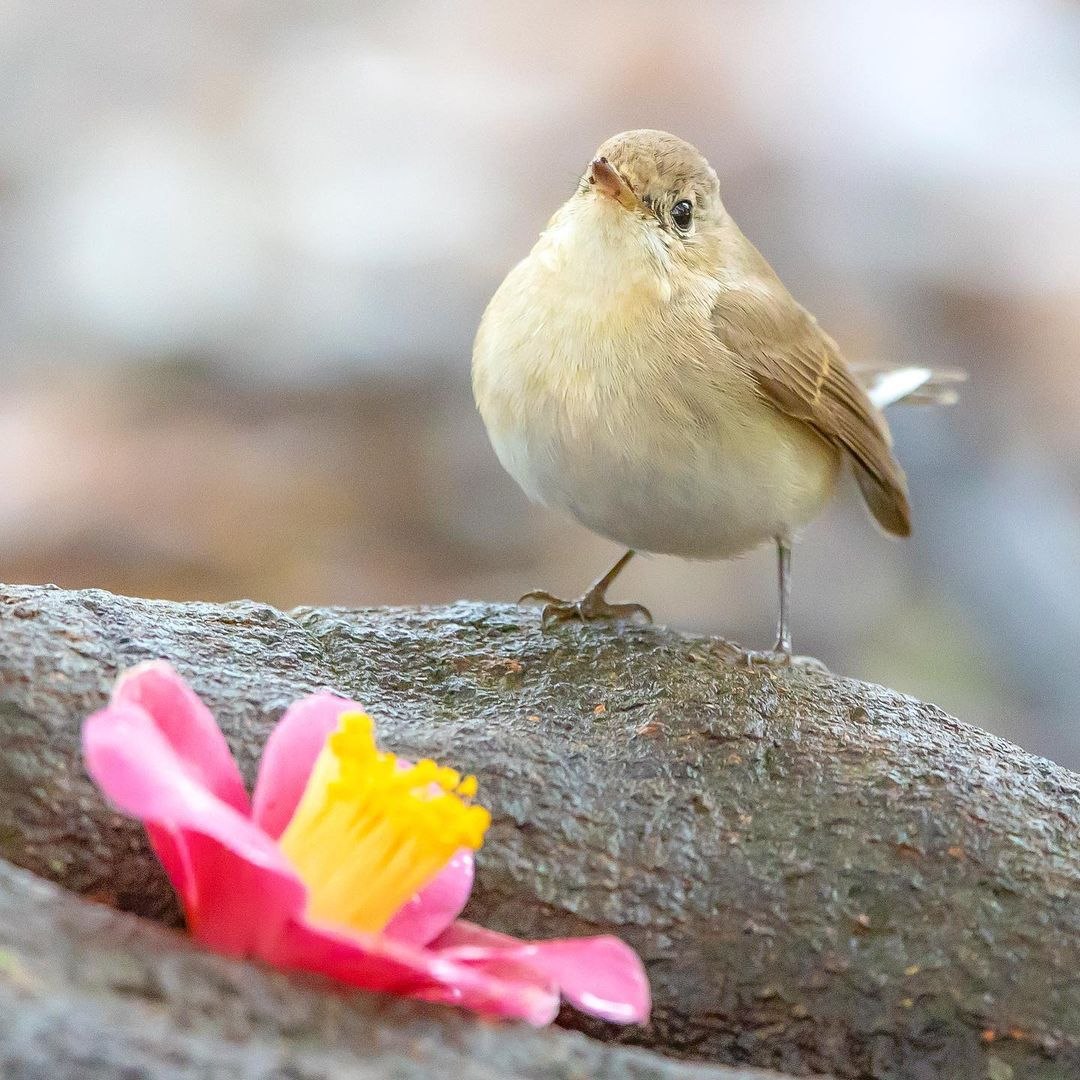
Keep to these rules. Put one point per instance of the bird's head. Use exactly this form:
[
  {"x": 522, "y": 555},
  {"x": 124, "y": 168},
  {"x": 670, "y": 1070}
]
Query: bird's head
[
  {"x": 658, "y": 177},
  {"x": 657, "y": 187},
  {"x": 647, "y": 207}
]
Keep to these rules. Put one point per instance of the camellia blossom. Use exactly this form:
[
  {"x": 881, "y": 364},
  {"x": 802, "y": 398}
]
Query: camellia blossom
[{"x": 347, "y": 861}]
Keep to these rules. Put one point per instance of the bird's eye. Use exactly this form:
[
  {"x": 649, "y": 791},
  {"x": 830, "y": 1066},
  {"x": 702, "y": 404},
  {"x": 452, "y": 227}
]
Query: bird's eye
[{"x": 682, "y": 213}]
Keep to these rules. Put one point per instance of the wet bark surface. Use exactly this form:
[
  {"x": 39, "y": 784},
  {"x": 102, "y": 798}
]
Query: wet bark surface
[{"x": 821, "y": 875}]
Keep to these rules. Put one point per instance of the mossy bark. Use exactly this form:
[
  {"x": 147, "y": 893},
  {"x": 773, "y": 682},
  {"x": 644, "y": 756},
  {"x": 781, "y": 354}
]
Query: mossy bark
[{"x": 821, "y": 875}]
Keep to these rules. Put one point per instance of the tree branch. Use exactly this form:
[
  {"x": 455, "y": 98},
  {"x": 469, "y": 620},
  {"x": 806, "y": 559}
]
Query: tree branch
[{"x": 820, "y": 874}]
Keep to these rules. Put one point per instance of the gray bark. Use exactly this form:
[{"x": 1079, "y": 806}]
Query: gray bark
[
  {"x": 821, "y": 875},
  {"x": 91, "y": 994}
]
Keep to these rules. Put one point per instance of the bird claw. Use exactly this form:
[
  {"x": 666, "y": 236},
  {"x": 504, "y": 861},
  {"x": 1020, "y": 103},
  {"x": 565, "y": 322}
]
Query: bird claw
[
  {"x": 539, "y": 596},
  {"x": 779, "y": 658},
  {"x": 592, "y": 607}
]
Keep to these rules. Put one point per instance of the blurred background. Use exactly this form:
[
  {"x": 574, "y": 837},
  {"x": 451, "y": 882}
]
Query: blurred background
[{"x": 244, "y": 247}]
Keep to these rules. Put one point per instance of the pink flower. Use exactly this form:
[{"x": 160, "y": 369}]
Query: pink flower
[{"x": 347, "y": 862}]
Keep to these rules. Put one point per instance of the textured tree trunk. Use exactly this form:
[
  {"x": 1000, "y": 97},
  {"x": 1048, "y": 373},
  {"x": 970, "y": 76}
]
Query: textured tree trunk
[{"x": 821, "y": 875}]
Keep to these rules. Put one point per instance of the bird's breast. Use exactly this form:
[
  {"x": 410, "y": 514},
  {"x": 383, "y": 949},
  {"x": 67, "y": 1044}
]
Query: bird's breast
[
  {"x": 570, "y": 338},
  {"x": 602, "y": 398}
]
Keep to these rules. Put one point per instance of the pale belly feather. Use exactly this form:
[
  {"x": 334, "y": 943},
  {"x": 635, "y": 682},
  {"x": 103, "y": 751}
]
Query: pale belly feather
[{"x": 688, "y": 490}]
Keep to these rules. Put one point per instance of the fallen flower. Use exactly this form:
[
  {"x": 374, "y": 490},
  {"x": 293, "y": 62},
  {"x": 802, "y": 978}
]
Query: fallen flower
[{"x": 346, "y": 861}]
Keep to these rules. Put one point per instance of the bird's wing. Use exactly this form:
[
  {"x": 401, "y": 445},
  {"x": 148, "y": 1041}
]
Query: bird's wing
[{"x": 798, "y": 368}]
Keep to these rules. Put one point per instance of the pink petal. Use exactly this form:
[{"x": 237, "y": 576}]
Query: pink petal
[
  {"x": 600, "y": 975},
  {"x": 289, "y": 757},
  {"x": 172, "y": 854},
  {"x": 243, "y": 903},
  {"x": 187, "y": 725},
  {"x": 237, "y": 887},
  {"x": 437, "y": 904},
  {"x": 378, "y": 963}
]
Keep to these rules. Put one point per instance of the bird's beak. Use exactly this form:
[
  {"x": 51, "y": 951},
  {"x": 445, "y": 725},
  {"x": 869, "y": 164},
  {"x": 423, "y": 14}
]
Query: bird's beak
[{"x": 603, "y": 177}]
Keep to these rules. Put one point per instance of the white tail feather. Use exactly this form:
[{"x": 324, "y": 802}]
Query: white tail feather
[{"x": 911, "y": 385}]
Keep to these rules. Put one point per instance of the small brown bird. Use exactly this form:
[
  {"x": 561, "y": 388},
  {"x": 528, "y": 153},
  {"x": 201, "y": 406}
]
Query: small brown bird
[{"x": 645, "y": 370}]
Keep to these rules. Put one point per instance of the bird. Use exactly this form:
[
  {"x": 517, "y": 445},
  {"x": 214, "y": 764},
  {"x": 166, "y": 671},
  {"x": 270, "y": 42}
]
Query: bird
[{"x": 644, "y": 370}]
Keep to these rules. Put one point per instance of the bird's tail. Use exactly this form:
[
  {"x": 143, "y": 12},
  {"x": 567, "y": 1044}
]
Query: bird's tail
[{"x": 910, "y": 385}]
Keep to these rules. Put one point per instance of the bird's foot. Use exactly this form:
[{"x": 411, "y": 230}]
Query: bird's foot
[
  {"x": 591, "y": 607},
  {"x": 780, "y": 658}
]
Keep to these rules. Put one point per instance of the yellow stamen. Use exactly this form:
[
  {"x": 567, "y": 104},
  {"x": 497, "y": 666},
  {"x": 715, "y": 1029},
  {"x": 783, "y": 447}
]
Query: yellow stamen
[{"x": 368, "y": 833}]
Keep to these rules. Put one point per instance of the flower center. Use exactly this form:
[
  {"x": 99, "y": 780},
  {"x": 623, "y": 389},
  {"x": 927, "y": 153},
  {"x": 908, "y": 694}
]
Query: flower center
[{"x": 368, "y": 832}]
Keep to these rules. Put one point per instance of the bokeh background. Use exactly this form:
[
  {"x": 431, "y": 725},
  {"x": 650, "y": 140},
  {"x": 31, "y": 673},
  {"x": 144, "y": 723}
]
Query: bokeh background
[{"x": 244, "y": 246}]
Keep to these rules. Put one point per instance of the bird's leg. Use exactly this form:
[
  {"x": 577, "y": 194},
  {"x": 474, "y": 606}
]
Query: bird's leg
[
  {"x": 783, "y": 630},
  {"x": 780, "y": 655},
  {"x": 591, "y": 606}
]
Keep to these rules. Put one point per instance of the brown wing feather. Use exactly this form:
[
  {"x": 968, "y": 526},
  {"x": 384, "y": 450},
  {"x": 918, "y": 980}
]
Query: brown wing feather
[{"x": 798, "y": 367}]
